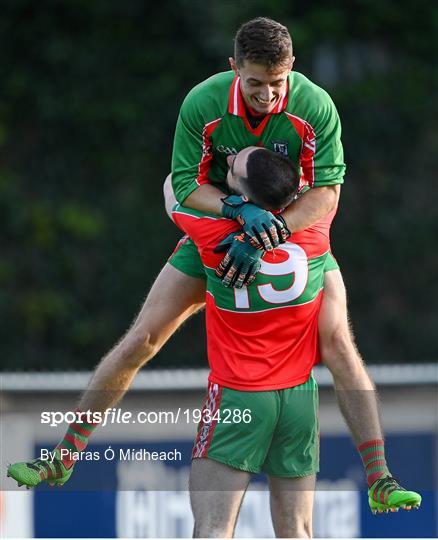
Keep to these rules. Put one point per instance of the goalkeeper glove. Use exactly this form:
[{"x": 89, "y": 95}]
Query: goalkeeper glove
[
  {"x": 240, "y": 265},
  {"x": 264, "y": 230}
]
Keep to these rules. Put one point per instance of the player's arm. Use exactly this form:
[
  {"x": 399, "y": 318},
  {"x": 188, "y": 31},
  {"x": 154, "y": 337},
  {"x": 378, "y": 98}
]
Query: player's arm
[
  {"x": 206, "y": 198},
  {"x": 170, "y": 201},
  {"x": 312, "y": 206},
  {"x": 192, "y": 156},
  {"x": 322, "y": 165}
]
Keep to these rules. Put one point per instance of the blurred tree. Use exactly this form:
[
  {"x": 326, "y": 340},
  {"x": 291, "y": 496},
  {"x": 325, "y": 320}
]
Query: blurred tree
[{"x": 88, "y": 103}]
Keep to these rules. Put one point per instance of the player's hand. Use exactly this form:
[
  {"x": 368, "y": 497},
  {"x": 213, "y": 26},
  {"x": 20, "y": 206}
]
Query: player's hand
[
  {"x": 264, "y": 230},
  {"x": 240, "y": 265}
]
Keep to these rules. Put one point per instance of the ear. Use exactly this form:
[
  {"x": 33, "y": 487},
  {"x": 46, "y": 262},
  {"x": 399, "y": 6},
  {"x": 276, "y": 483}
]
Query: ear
[
  {"x": 233, "y": 64},
  {"x": 292, "y": 63}
]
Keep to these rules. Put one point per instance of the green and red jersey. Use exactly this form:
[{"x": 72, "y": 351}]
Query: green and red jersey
[
  {"x": 213, "y": 124},
  {"x": 265, "y": 336}
]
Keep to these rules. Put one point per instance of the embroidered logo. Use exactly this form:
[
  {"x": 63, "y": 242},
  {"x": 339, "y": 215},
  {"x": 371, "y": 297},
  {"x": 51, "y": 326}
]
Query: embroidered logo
[
  {"x": 228, "y": 150},
  {"x": 280, "y": 147}
]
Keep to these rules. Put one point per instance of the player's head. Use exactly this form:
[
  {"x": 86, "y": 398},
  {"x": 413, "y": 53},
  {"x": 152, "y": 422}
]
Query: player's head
[
  {"x": 266, "y": 178},
  {"x": 263, "y": 58}
]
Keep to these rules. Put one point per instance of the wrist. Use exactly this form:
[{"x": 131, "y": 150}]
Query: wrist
[
  {"x": 282, "y": 218},
  {"x": 286, "y": 230},
  {"x": 231, "y": 205}
]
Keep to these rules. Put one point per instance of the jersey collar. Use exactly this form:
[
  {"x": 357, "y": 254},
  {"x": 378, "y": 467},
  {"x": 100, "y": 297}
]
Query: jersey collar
[{"x": 236, "y": 104}]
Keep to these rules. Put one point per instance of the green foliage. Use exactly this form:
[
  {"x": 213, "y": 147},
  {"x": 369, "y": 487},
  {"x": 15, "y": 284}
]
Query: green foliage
[{"x": 88, "y": 103}]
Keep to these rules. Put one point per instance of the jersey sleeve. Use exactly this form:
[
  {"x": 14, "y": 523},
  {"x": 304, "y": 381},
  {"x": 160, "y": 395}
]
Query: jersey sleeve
[
  {"x": 206, "y": 230},
  {"x": 322, "y": 159},
  {"x": 192, "y": 147}
]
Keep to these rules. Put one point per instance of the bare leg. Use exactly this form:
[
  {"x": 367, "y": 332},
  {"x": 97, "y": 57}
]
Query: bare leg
[
  {"x": 292, "y": 506},
  {"x": 216, "y": 512},
  {"x": 355, "y": 392},
  {"x": 172, "y": 299}
]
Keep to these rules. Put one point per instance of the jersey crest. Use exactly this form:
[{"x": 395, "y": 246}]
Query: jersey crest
[{"x": 281, "y": 147}]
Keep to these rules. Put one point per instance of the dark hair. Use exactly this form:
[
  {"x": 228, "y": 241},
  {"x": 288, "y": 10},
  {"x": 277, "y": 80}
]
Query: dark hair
[
  {"x": 272, "y": 179},
  {"x": 263, "y": 41}
]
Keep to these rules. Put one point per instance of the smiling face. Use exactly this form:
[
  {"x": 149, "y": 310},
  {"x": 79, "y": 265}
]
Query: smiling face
[{"x": 262, "y": 88}]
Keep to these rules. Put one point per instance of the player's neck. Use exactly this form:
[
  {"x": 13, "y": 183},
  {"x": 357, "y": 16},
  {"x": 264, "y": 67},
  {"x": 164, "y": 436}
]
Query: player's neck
[
  {"x": 254, "y": 118},
  {"x": 252, "y": 112}
]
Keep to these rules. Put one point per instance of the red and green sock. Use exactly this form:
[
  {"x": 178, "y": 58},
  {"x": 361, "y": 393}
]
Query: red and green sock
[
  {"x": 373, "y": 458},
  {"x": 76, "y": 439}
]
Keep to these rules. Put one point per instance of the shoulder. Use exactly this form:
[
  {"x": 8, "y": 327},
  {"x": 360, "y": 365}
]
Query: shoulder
[
  {"x": 308, "y": 100},
  {"x": 209, "y": 99}
]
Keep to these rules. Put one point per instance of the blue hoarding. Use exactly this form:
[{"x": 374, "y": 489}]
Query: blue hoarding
[{"x": 129, "y": 501}]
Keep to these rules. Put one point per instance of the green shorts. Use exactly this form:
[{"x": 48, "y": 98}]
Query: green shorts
[
  {"x": 186, "y": 259},
  {"x": 275, "y": 432}
]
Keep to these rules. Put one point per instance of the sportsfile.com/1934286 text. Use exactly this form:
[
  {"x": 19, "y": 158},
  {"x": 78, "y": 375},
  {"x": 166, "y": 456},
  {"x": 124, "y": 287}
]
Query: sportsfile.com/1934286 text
[{"x": 118, "y": 416}]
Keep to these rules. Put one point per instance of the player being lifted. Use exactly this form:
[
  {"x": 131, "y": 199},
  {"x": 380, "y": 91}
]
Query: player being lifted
[{"x": 260, "y": 102}]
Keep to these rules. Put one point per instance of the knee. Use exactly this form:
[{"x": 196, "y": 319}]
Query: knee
[
  {"x": 139, "y": 347},
  {"x": 341, "y": 357},
  {"x": 335, "y": 343}
]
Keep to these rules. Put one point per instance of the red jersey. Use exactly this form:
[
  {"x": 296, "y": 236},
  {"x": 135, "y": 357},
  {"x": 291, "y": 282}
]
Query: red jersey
[{"x": 265, "y": 336}]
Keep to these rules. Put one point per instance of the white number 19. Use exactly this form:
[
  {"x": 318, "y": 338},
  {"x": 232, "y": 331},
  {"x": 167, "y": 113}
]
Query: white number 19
[{"x": 296, "y": 263}]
